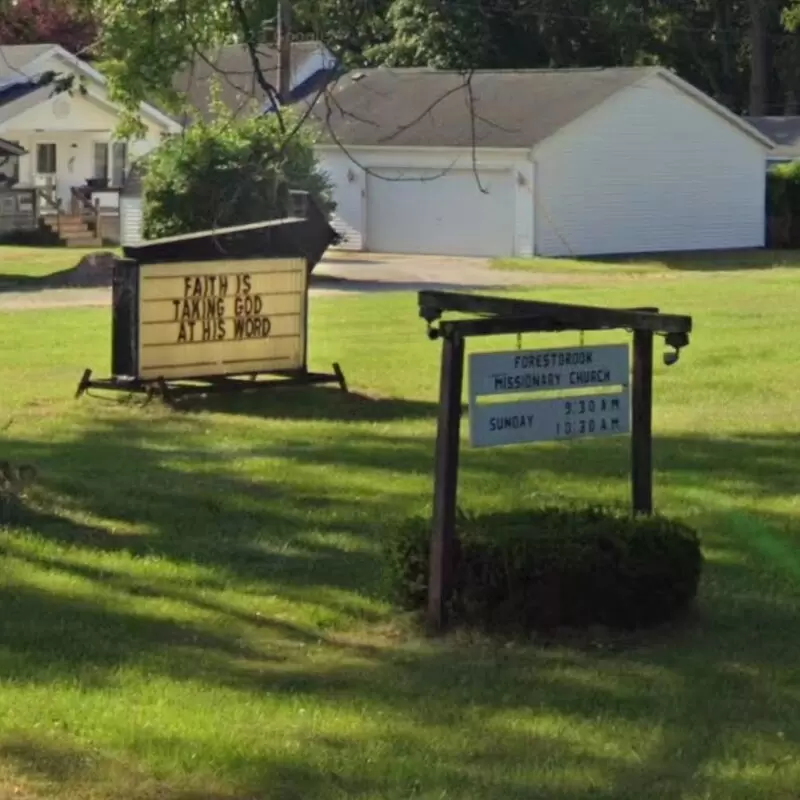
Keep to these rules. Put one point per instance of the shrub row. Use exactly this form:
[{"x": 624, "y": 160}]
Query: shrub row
[
  {"x": 783, "y": 204},
  {"x": 552, "y": 567}
]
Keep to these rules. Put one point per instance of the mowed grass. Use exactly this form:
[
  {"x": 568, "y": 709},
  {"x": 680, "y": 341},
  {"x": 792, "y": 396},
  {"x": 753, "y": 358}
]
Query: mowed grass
[
  {"x": 193, "y": 608},
  {"x": 657, "y": 264},
  {"x": 36, "y": 262}
]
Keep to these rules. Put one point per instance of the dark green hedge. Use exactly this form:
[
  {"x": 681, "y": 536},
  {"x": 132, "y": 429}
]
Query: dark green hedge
[
  {"x": 554, "y": 567},
  {"x": 783, "y": 204}
]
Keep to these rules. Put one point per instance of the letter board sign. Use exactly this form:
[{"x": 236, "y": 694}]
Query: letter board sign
[{"x": 215, "y": 318}]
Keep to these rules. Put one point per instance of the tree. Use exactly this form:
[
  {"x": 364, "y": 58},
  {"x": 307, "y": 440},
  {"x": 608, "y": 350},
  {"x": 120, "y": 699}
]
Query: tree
[
  {"x": 735, "y": 50},
  {"x": 442, "y": 35},
  {"x": 228, "y": 172},
  {"x": 47, "y": 22}
]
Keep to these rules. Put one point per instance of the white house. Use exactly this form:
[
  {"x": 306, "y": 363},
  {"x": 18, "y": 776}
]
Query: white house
[
  {"x": 541, "y": 162},
  {"x": 69, "y": 137}
]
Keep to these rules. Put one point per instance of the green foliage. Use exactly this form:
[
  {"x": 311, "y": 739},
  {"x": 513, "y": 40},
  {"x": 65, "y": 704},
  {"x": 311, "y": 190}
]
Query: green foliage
[
  {"x": 229, "y": 172},
  {"x": 708, "y": 43},
  {"x": 441, "y": 36},
  {"x": 551, "y": 567},
  {"x": 783, "y": 204},
  {"x": 783, "y": 189}
]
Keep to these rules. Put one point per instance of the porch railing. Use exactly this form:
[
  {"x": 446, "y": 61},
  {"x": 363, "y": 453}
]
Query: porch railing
[
  {"x": 18, "y": 210},
  {"x": 49, "y": 203}
]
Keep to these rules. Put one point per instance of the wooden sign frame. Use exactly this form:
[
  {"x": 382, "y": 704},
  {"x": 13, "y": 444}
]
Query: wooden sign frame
[{"x": 500, "y": 315}]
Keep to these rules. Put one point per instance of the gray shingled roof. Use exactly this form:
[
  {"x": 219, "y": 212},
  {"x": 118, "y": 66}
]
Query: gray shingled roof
[
  {"x": 13, "y": 60},
  {"x": 15, "y": 57},
  {"x": 31, "y": 100},
  {"x": 431, "y": 108},
  {"x": 784, "y": 131},
  {"x": 232, "y": 66}
]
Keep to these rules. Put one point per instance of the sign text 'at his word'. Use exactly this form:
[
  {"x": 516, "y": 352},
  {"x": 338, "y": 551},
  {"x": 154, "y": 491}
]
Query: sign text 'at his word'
[
  {"x": 497, "y": 424},
  {"x": 219, "y": 308},
  {"x": 566, "y": 368}
]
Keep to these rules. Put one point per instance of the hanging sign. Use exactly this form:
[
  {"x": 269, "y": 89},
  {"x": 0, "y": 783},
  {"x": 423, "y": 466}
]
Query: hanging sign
[{"x": 567, "y": 416}]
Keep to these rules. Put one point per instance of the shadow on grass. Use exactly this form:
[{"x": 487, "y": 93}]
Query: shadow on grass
[
  {"x": 467, "y": 717},
  {"x": 480, "y": 719},
  {"x": 22, "y": 283},
  {"x": 319, "y": 403}
]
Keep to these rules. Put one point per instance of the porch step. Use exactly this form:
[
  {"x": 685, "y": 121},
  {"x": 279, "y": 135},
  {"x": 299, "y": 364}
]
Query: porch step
[
  {"x": 71, "y": 228},
  {"x": 72, "y": 231}
]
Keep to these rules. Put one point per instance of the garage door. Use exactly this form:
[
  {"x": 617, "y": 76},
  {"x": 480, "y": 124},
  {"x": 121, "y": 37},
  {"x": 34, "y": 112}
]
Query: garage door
[{"x": 446, "y": 215}]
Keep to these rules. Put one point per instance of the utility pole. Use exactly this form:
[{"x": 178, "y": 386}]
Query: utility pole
[{"x": 284, "y": 49}]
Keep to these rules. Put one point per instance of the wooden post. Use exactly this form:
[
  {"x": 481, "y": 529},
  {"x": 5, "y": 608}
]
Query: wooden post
[
  {"x": 284, "y": 50},
  {"x": 446, "y": 482},
  {"x": 642, "y": 423}
]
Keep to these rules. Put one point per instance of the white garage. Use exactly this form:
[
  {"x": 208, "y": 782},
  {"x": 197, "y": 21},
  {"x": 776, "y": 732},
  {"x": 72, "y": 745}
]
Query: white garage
[
  {"x": 561, "y": 163},
  {"x": 422, "y": 211}
]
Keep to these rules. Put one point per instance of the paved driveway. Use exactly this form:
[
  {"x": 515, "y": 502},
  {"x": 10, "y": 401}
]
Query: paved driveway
[
  {"x": 368, "y": 272},
  {"x": 339, "y": 273}
]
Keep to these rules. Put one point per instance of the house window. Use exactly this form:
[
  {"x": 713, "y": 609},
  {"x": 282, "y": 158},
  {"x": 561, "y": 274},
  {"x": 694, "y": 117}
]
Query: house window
[
  {"x": 119, "y": 163},
  {"x": 100, "y": 169},
  {"x": 46, "y": 159},
  {"x": 110, "y": 162}
]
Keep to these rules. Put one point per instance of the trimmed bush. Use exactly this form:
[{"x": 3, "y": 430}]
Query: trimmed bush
[
  {"x": 555, "y": 567},
  {"x": 783, "y": 204},
  {"x": 230, "y": 172}
]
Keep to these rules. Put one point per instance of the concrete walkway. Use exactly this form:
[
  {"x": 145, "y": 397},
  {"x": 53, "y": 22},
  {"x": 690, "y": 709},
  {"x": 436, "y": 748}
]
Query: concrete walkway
[
  {"x": 339, "y": 273},
  {"x": 367, "y": 272}
]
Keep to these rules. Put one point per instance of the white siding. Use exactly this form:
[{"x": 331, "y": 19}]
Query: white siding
[
  {"x": 130, "y": 221},
  {"x": 423, "y": 211},
  {"x": 79, "y": 113},
  {"x": 448, "y": 215},
  {"x": 650, "y": 170},
  {"x": 349, "y": 192}
]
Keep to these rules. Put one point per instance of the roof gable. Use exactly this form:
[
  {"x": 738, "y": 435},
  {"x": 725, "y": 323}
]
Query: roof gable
[
  {"x": 33, "y": 60},
  {"x": 232, "y": 67},
  {"x": 712, "y": 105},
  {"x": 14, "y": 58},
  {"x": 19, "y": 93},
  {"x": 512, "y": 108},
  {"x": 432, "y": 108}
]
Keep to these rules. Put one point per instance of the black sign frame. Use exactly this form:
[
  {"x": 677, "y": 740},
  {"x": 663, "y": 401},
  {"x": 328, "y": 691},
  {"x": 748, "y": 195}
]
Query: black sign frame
[{"x": 271, "y": 239}]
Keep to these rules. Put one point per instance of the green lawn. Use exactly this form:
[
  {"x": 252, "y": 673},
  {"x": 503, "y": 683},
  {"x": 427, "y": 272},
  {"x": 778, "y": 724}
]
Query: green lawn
[
  {"x": 193, "y": 609},
  {"x": 36, "y": 262},
  {"x": 659, "y": 264}
]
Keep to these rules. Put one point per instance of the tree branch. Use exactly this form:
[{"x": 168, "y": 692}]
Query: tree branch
[
  {"x": 249, "y": 41},
  {"x": 473, "y": 141},
  {"x": 369, "y": 170}
]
